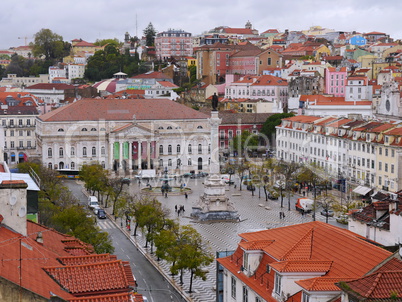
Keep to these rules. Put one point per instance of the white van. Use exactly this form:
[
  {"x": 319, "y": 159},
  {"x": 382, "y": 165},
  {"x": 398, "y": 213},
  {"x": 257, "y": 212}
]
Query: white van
[{"x": 92, "y": 202}]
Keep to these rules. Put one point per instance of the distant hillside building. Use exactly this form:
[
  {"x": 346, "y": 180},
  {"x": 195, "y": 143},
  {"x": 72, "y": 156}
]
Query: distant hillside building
[{"x": 173, "y": 43}]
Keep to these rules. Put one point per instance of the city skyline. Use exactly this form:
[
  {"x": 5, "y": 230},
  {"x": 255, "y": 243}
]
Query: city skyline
[{"x": 92, "y": 20}]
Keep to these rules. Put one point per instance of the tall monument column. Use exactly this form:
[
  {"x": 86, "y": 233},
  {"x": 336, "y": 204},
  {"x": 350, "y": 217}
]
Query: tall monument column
[
  {"x": 214, "y": 205},
  {"x": 214, "y": 121}
]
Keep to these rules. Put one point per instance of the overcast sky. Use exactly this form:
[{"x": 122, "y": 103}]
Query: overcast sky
[{"x": 102, "y": 19}]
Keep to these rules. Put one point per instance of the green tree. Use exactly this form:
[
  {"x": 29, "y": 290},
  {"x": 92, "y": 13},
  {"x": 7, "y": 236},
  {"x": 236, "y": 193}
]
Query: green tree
[
  {"x": 50, "y": 45},
  {"x": 150, "y": 33},
  {"x": 245, "y": 141},
  {"x": 194, "y": 254},
  {"x": 103, "y": 42},
  {"x": 268, "y": 129},
  {"x": 288, "y": 172}
]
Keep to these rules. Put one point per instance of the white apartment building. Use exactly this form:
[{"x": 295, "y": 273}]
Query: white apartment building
[{"x": 366, "y": 153}]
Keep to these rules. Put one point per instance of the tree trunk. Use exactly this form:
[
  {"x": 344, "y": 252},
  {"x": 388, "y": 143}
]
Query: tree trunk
[
  {"x": 191, "y": 281},
  {"x": 266, "y": 194},
  {"x": 181, "y": 277},
  {"x": 135, "y": 229}
]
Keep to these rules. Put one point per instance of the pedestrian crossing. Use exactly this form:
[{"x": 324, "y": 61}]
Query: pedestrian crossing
[{"x": 105, "y": 224}]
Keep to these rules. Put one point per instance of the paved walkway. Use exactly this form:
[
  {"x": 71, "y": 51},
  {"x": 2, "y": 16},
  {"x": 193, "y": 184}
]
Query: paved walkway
[{"x": 256, "y": 214}]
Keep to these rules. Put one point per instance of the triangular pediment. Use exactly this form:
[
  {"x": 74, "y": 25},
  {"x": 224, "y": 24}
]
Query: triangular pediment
[{"x": 132, "y": 129}]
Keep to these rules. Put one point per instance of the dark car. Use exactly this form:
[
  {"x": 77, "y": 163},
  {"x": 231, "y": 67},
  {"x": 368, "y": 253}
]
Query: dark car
[
  {"x": 327, "y": 213},
  {"x": 101, "y": 214}
]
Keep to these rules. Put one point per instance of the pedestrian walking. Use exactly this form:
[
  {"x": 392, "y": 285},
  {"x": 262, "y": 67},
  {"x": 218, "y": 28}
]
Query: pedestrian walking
[
  {"x": 166, "y": 194},
  {"x": 280, "y": 215},
  {"x": 175, "y": 208},
  {"x": 283, "y": 215},
  {"x": 185, "y": 195}
]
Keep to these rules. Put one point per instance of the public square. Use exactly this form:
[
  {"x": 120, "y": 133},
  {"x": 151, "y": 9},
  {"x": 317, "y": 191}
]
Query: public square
[{"x": 256, "y": 214}]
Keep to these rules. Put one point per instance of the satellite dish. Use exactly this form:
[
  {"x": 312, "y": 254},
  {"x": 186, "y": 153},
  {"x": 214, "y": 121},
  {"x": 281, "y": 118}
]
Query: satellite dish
[
  {"x": 22, "y": 211},
  {"x": 13, "y": 200}
]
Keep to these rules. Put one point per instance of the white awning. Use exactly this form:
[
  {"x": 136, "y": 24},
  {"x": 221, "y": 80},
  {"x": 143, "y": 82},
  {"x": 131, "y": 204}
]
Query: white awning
[{"x": 362, "y": 190}]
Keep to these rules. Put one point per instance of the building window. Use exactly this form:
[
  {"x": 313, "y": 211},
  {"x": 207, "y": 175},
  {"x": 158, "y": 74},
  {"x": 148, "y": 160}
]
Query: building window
[
  {"x": 12, "y": 133},
  {"x": 278, "y": 284},
  {"x": 305, "y": 297},
  {"x": 190, "y": 150},
  {"x": 170, "y": 149},
  {"x": 61, "y": 152},
  {"x": 72, "y": 165},
  {"x": 28, "y": 132},
  {"x": 178, "y": 149},
  {"x": 380, "y": 151},
  {"x": 233, "y": 287},
  {"x": 199, "y": 149},
  {"x": 29, "y": 144},
  {"x": 169, "y": 162},
  {"x": 103, "y": 150},
  {"x": 392, "y": 168},
  {"x": 161, "y": 149},
  {"x": 49, "y": 152},
  {"x": 72, "y": 152},
  {"x": 189, "y": 162},
  {"x": 93, "y": 151},
  {"x": 21, "y": 144},
  {"x": 245, "y": 294},
  {"x": 84, "y": 151}
]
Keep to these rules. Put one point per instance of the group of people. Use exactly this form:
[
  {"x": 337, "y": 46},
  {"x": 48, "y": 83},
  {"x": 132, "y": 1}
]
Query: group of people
[
  {"x": 179, "y": 209},
  {"x": 282, "y": 215}
]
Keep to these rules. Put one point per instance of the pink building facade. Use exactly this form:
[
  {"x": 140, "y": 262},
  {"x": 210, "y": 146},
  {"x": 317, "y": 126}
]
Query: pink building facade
[
  {"x": 335, "y": 81},
  {"x": 173, "y": 43}
]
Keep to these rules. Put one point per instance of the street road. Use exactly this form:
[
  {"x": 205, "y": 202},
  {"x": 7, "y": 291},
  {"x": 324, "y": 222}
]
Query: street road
[{"x": 150, "y": 282}]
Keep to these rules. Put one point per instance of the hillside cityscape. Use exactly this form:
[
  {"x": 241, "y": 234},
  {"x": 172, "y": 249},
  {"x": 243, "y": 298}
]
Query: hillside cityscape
[{"x": 234, "y": 165}]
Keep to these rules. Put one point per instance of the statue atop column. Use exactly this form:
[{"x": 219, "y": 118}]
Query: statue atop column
[{"x": 215, "y": 102}]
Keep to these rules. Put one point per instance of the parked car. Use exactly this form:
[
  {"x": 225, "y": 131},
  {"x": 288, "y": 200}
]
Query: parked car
[
  {"x": 101, "y": 214},
  {"x": 126, "y": 181},
  {"x": 92, "y": 202},
  {"x": 95, "y": 209},
  {"x": 344, "y": 219},
  {"x": 327, "y": 213},
  {"x": 273, "y": 195}
]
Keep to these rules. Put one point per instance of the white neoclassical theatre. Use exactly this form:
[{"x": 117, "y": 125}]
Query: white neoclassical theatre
[{"x": 126, "y": 135}]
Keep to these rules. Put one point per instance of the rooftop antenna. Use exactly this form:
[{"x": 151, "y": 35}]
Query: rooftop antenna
[{"x": 136, "y": 26}]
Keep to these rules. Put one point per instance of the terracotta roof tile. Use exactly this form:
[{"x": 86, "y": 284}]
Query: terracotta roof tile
[
  {"x": 87, "y": 259},
  {"x": 302, "y": 266},
  {"x": 124, "y": 297},
  {"x": 321, "y": 284},
  {"x": 122, "y": 109},
  {"x": 349, "y": 254},
  {"x": 377, "y": 286},
  {"x": 90, "y": 278}
]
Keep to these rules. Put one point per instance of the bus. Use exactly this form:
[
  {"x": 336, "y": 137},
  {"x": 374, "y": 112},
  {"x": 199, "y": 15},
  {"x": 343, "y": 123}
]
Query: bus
[{"x": 68, "y": 173}]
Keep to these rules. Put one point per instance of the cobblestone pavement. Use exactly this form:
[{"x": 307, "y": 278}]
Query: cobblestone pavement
[{"x": 256, "y": 214}]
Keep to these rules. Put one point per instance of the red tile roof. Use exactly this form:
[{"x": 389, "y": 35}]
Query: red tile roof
[
  {"x": 306, "y": 248},
  {"x": 92, "y": 278},
  {"x": 377, "y": 286},
  {"x": 124, "y": 297},
  {"x": 122, "y": 110}
]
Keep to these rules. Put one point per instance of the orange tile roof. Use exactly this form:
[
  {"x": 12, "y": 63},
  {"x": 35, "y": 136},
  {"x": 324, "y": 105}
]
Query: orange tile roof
[
  {"x": 302, "y": 266},
  {"x": 87, "y": 259},
  {"x": 121, "y": 110},
  {"x": 350, "y": 255},
  {"x": 320, "y": 284},
  {"x": 377, "y": 286},
  {"x": 92, "y": 278},
  {"x": 124, "y": 297},
  {"x": 255, "y": 245}
]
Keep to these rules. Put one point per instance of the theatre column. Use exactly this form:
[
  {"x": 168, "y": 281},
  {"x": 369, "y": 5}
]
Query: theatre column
[
  {"x": 148, "y": 154},
  {"x": 120, "y": 157},
  {"x": 139, "y": 155},
  {"x": 130, "y": 156}
]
